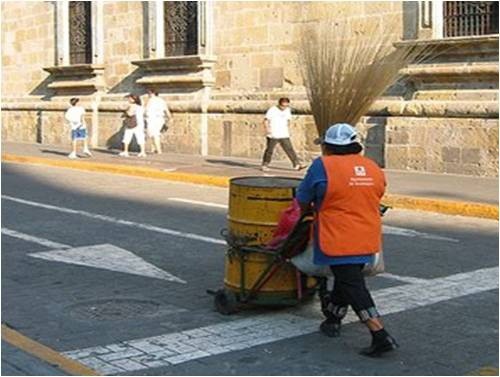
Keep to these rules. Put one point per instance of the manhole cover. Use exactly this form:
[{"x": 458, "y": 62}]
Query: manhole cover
[{"x": 114, "y": 309}]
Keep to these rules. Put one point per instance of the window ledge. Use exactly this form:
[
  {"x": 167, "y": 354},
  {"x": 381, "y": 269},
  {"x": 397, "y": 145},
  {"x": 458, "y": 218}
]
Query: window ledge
[
  {"x": 78, "y": 77},
  {"x": 176, "y": 80},
  {"x": 451, "y": 41},
  {"x": 473, "y": 69},
  {"x": 177, "y": 72},
  {"x": 177, "y": 63},
  {"x": 76, "y": 69},
  {"x": 455, "y": 64}
]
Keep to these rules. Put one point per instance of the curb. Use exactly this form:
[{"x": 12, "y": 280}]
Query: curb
[
  {"x": 200, "y": 179},
  {"x": 470, "y": 209}
]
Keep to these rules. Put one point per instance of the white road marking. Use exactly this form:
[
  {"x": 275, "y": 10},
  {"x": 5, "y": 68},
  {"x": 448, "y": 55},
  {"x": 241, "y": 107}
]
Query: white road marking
[
  {"x": 386, "y": 228},
  {"x": 107, "y": 257},
  {"x": 68, "y": 257},
  {"x": 397, "y": 231},
  {"x": 38, "y": 240},
  {"x": 180, "y": 347},
  {"x": 115, "y": 220},
  {"x": 197, "y": 202},
  {"x": 405, "y": 279}
]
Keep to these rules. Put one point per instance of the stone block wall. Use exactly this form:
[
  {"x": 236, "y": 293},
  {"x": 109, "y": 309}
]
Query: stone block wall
[
  {"x": 256, "y": 42},
  {"x": 21, "y": 126},
  {"x": 442, "y": 145},
  {"x": 243, "y": 135},
  {"x": 29, "y": 44},
  {"x": 446, "y": 122},
  {"x": 184, "y": 134},
  {"x": 28, "y": 35},
  {"x": 123, "y": 43}
]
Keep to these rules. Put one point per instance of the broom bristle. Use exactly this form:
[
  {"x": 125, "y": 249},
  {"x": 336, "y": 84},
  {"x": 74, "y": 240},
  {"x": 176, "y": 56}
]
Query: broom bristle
[{"x": 344, "y": 72}]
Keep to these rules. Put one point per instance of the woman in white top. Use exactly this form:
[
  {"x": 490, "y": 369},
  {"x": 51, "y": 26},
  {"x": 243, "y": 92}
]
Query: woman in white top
[
  {"x": 156, "y": 112},
  {"x": 134, "y": 125}
]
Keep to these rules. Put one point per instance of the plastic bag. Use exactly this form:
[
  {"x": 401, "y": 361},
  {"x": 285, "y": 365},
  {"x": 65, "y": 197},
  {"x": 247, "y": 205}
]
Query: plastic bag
[
  {"x": 377, "y": 266},
  {"x": 305, "y": 263},
  {"x": 287, "y": 221}
]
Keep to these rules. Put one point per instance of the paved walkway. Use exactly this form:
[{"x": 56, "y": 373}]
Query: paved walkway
[{"x": 420, "y": 185}]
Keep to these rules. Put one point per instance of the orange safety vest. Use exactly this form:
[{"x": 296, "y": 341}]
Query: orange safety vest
[{"x": 349, "y": 221}]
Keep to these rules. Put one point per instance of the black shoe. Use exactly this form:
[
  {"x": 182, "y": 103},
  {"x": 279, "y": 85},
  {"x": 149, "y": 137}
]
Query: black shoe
[
  {"x": 330, "y": 327},
  {"x": 378, "y": 347}
]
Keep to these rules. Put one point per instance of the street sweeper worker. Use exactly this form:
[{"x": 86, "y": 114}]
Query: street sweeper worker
[{"x": 344, "y": 190}]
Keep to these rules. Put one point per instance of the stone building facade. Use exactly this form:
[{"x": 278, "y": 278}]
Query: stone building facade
[{"x": 220, "y": 65}]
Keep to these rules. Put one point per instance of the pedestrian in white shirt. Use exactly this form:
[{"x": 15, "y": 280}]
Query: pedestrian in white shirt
[
  {"x": 157, "y": 116},
  {"x": 276, "y": 122},
  {"x": 75, "y": 118},
  {"x": 134, "y": 125}
]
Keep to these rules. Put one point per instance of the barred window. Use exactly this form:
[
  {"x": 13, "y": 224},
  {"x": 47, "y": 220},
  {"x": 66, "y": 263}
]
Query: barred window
[
  {"x": 468, "y": 18},
  {"x": 181, "y": 27},
  {"x": 80, "y": 40}
]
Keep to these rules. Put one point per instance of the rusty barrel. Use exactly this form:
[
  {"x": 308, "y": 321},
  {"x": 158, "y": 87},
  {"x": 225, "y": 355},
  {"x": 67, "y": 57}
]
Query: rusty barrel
[{"x": 255, "y": 205}]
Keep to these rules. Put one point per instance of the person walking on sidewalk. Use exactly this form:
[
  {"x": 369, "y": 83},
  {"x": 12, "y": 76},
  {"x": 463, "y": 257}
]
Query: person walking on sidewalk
[
  {"x": 344, "y": 190},
  {"x": 157, "y": 117},
  {"x": 75, "y": 116},
  {"x": 276, "y": 122},
  {"x": 134, "y": 123}
]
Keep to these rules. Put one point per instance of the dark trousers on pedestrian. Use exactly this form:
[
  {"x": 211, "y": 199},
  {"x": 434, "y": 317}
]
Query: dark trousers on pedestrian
[
  {"x": 286, "y": 144},
  {"x": 350, "y": 289}
]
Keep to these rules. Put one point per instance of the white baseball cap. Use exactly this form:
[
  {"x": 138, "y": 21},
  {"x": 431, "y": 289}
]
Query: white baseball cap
[{"x": 339, "y": 134}]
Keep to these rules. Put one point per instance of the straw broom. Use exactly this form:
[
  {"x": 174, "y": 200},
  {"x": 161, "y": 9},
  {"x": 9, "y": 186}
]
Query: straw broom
[{"x": 344, "y": 72}]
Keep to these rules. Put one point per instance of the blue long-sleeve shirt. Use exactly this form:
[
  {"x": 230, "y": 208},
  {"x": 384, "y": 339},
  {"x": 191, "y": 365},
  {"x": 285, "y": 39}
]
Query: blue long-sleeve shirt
[{"x": 312, "y": 189}]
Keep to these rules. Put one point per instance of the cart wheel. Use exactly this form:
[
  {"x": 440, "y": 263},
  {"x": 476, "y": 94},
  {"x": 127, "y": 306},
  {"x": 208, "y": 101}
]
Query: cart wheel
[{"x": 225, "y": 302}]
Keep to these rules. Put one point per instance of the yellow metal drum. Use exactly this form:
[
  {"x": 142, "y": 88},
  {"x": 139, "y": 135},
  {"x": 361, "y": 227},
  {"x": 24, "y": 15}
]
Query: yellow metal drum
[{"x": 255, "y": 205}]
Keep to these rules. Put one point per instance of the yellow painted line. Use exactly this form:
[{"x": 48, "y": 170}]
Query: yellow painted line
[
  {"x": 45, "y": 353},
  {"x": 449, "y": 207},
  {"x": 485, "y": 371}
]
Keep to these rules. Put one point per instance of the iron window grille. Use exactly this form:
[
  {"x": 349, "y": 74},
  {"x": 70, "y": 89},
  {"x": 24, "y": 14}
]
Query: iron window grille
[
  {"x": 181, "y": 27},
  {"x": 468, "y": 18}
]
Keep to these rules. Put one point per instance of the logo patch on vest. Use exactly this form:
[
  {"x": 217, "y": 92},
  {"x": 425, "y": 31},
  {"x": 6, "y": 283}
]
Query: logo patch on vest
[
  {"x": 360, "y": 177},
  {"x": 360, "y": 171}
]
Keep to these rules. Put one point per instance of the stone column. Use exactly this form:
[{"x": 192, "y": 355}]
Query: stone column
[
  {"x": 62, "y": 32},
  {"x": 205, "y": 98},
  {"x": 205, "y": 47},
  {"x": 209, "y": 27},
  {"x": 437, "y": 19},
  {"x": 156, "y": 36},
  {"x": 97, "y": 23},
  {"x": 94, "y": 141}
]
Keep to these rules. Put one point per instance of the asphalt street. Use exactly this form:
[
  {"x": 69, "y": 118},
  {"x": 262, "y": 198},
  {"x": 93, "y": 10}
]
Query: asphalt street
[{"x": 112, "y": 271}]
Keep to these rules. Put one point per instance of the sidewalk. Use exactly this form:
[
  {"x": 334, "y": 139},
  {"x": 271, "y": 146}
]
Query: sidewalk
[
  {"x": 23, "y": 356},
  {"x": 435, "y": 189},
  {"x": 16, "y": 362}
]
